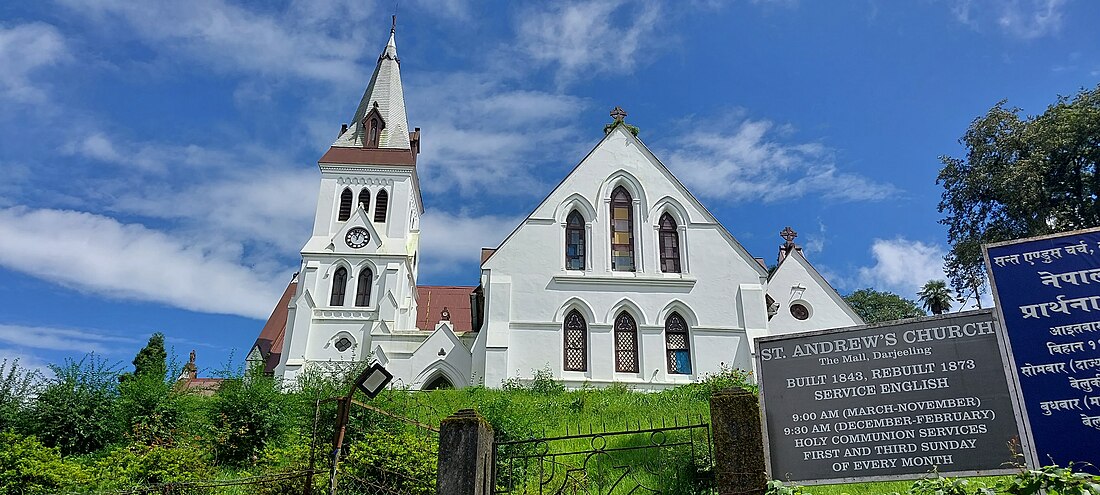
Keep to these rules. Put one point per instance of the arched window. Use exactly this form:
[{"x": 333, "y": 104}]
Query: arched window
[
  {"x": 677, "y": 346},
  {"x": 345, "y": 205},
  {"x": 364, "y": 199},
  {"x": 576, "y": 342},
  {"x": 626, "y": 343},
  {"x": 574, "y": 241},
  {"x": 339, "y": 285},
  {"x": 380, "y": 202},
  {"x": 373, "y": 132},
  {"x": 622, "y": 230},
  {"x": 670, "y": 245},
  {"x": 362, "y": 287}
]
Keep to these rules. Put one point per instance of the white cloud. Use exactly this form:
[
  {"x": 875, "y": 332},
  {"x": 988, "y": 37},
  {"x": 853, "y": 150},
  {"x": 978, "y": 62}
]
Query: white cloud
[
  {"x": 588, "y": 37},
  {"x": 480, "y": 134},
  {"x": 305, "y": 40},
  {"x": 98, "y": 254},
  {"x": 1040, "y": 18},
  {"x": 62, "y": 339},
  {"x": 749, "y": 162},
  {"x": 452, "y": 240},
  {"x": 24, "y": 49},
  {"x": 1024, "y": 19},
  {"x": 25, "y": 361},
  {"x": 902, "y": 266}
]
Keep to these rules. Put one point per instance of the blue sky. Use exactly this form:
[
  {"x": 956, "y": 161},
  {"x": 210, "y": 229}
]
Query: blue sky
[{"x": 158, "y": 159}]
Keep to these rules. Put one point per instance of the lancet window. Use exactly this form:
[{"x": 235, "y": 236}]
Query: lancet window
[
  {"x": 574, "y": 241},
  {"x": 622, "y": 230},
  {"x": 339, "y": 286},
  {"x": 576, "y": 342},
  {"x": 345, "y": 205},
  {"x": 677, "y": 345},
  {"x": 381, "y": 201},
  {"x": 362, "y": 287},
  {"x": 626, "y": 343},
  {"x": 670, "y": 244},
  {"x": 364, "y": 199}
]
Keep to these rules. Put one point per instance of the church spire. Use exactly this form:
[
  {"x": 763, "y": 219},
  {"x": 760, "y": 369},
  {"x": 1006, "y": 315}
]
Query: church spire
[{"x": 380, "y": 120}]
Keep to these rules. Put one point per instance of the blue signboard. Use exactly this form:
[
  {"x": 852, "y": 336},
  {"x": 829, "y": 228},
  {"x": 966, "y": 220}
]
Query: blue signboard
[{"x": 1047, "y": 291}]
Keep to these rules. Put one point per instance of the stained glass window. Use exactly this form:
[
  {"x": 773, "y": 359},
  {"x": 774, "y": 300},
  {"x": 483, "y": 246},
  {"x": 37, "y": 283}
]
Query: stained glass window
[
  {"x": 576, "y": 342},
  {"x": 670, "y": 245},
  {"x": 622, "y": 230},
  {"x": 574, "y": 242},
  {"x": 380, "y": 203},
  {"x": 362, "y": 288},
  {"x": 339, "y": 285},
  {"x": 677, "y": 346},
  {"x": 345, "y": 205},
  {"x": 626, "y": 343}
]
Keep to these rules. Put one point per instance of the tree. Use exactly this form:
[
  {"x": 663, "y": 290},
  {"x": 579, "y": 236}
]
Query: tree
[
  {"x": 875, "y": 306},
  {"x": 935, "y": 297},
  {"x": 1021, "y": 177},
  {"x": 151, "y": 360}
]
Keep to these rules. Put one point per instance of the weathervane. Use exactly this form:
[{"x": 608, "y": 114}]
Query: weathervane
[{"x": 618, "y": 114}]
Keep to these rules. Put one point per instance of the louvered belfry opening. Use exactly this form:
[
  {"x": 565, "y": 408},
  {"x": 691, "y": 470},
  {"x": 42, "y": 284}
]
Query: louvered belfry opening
[
  {"x": 345, "y": 205},
  {"x": 626, "y": 343},
  {"x": 576, "y": 342},
  {"x": 381, "y": 201}
]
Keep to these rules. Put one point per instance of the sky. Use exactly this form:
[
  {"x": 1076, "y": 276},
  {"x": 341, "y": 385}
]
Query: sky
[{"x": 158, "y": 159}]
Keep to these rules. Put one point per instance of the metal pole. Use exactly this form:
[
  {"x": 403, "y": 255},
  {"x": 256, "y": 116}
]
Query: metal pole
[
  {"x": 338, "y": 441},
  {"x": 308, "y": 489}
]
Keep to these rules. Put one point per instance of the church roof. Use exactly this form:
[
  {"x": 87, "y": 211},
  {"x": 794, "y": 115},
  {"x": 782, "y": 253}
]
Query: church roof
[
  {"x": 270, "y": 341},
  {"x": 384, "y": 90},
  {"x": 431, "y": 299}
]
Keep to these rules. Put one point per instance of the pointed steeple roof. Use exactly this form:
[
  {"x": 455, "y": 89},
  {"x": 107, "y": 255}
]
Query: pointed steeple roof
[{"x": 384, "y": 94}]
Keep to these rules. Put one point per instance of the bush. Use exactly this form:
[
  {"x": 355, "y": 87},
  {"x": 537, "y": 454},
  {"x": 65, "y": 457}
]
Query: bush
[
  {"x": 152, "y": 411},
  {"x": 404, "y": 462},
  {"x": 76, "y": 410},
  {"x": 246, "y": 413},
  {"x": 18, "y": 386},
  {"x": 28, "y": 467},
  {"x": 139, "y": 465}
]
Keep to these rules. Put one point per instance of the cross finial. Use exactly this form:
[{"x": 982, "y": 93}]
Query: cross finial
[
  {"x": 618, "y": 114},
  {"x": 393, "y": 25},
  {"x": 788, "y": 235},
  {"x": 445, "y": 315}
]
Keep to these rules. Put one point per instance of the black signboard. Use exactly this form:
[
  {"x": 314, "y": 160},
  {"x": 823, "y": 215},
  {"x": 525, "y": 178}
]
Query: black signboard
[
  {"x": 891, "y": 400},
  {"x": 1048, "y": 292}
]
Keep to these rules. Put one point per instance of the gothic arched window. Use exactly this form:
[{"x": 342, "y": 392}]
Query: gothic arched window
[
  {"x": 380, "y": 203},
  {"x": 574, "y": 241},
  {"x": 362, "y": 287},
  {"x": 374, "y": 131},
  {"x": 364, "y": 199},
  {"x": 626, "y": 343},
  {"x": 339, "y": 285},
  {"x": 576, "y": 342},
  {"x": 676, "y": 345},
  {"x": 345, "y": 205},
  {"x": 622, "y": 230},
  {"x": 670, "y": 245}
]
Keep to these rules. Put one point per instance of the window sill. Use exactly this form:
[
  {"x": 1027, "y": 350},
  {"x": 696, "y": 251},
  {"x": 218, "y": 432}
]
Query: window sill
[{"x": 631, "y": 279}]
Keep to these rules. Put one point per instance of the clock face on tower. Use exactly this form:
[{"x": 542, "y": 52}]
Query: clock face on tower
[{"x": 357, "y": 237}]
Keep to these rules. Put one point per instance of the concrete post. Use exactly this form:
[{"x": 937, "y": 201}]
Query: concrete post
[
  {"x": 465, "y": 455},
  {"x": 738, "y": 442}
]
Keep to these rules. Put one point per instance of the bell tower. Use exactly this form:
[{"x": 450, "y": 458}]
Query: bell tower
[{"x": 359, "y": 267}]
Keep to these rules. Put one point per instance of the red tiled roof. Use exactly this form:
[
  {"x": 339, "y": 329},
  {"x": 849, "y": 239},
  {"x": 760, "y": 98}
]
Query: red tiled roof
[
  {"x": 203, "y": 386},
  {"x": 369, "y": 156},
  {"x": 270, "y": 340},
  {"x": 431, "y": 299}
]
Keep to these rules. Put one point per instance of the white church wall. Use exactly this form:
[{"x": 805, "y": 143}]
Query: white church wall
[
  {"x": 539, "y": 287},
  {"x": 795, "y": 281}
]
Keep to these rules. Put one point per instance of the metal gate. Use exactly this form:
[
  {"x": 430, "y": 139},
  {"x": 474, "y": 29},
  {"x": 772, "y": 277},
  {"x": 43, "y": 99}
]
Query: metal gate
[{"x": 660, "y": 459}]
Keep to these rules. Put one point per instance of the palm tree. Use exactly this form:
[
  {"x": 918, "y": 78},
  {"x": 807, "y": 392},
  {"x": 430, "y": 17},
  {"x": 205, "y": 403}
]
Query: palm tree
[{"x": 936, "y": 297}]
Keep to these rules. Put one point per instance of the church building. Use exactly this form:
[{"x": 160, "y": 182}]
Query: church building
[{"x": 620, "y": 275}]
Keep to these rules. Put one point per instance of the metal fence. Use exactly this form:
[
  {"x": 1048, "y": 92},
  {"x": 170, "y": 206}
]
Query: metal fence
[{"x": 660, "y": 459}]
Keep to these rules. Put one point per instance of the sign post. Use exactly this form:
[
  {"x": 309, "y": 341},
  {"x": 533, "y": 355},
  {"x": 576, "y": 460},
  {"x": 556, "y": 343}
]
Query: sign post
[
  {"x": 1047, "y": 291},
  {"x": 888, "y": 401}
]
